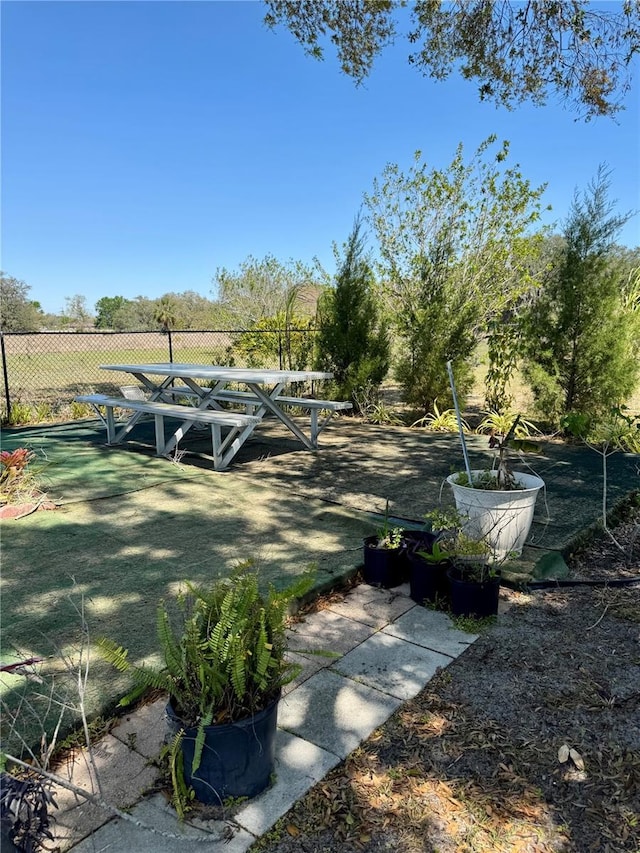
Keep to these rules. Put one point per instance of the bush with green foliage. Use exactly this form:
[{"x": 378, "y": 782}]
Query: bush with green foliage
[
  {"x": 455, "y": 251},
  {"x": 277, "y": 342},
  {"x": 353, "y": 340},
  {"x": 582, "y": 334}
]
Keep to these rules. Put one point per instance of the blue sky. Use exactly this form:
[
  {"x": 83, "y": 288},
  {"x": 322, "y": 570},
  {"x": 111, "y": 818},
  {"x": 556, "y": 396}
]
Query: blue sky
[{"x": 145, "y": 144}]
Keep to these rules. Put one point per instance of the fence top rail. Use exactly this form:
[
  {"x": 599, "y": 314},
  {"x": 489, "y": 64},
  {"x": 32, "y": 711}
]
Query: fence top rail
[{"x": 113, "y": 332}]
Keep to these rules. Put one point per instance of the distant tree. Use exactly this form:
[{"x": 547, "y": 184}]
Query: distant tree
[
  {"x": 353, "y": 339},
  {"x": 192, "y": 310},
  {"x": 17, "y": 312},
  {"x": 261, "y": 288},
  {"x": 106, "y": 309},
  {"x": 454, "y": 245},
  {"x": 136, "y": 315},
  {"x": 579, "y": 50},
  {"x": 583, "y": 330},
  {"x": 165, "y": 313},
  {"x": 76, "y": 311}
]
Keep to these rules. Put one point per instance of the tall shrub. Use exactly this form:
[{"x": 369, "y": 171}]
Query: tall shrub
[
  {"x": 454, "y": 249},
  {"x": 353, "y": 340},
  {"x": 583, "y": 330}
]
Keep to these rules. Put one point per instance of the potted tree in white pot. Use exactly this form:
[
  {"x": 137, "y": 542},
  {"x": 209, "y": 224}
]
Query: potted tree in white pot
[
  {"x": 498, "y": 503},
  {"x": 224, "y": 667}
]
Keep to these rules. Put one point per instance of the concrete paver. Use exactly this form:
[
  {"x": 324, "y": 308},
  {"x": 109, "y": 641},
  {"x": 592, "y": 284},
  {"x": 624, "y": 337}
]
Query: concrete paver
[
  {"x": 327, "y": 631},
  {"x": 334, "y": 712},
  {"x": 397, "y": 667},
  {"x": 373, "y": 606},
  {"x": 143, "y": 730},
  {"x": 431, "y": 629},
  {"x": 299, "y": 765},
  {"x": 169, "y": 836}
]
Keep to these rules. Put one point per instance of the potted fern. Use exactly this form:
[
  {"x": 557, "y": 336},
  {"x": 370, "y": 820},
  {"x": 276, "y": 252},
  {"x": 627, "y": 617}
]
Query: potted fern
[{"x": 224, "y": 667}]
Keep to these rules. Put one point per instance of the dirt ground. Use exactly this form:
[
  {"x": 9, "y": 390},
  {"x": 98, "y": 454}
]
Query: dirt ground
[{"x": 529, "y": 742}]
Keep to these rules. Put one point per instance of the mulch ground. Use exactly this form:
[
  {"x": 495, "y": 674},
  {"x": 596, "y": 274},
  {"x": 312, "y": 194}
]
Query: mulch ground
[{"x": 527, "y": 743}]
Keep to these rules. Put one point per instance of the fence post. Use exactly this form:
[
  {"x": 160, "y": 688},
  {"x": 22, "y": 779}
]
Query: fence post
[
  {"x": 170, "y": 347},
  {"x": 5, "y": 376}
]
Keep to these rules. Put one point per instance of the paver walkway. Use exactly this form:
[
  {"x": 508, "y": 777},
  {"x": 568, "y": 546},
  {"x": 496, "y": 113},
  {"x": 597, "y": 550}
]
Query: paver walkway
[{"x": 386, "y": 648}]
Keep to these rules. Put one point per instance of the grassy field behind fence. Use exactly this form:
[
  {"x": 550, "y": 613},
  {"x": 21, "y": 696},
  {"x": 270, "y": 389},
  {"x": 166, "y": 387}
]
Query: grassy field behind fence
[{"x": 46, "y": 382}]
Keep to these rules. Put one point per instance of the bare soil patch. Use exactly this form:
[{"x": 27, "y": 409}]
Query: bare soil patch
[{"x": 527, "y": 743}]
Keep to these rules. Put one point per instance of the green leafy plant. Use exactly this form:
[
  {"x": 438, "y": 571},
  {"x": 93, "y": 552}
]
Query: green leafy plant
[
  {"x": 44, "y": 412},
  {"x": 500, "y": 424},
  {"x": 453, "y": 542},
  {"x": 387, "y": 536},
  {"x": 372, "y": 408},
  {"x": 501, "y": 477},
  {"x": 437, "y": 554},
  {"x": 437, "y": 421},
  {"x": 224, "y": 658},
  {"x": 80, "y": 410},
  {"x": 20, "y": 414},
  {"x": 443, "y": 518}
]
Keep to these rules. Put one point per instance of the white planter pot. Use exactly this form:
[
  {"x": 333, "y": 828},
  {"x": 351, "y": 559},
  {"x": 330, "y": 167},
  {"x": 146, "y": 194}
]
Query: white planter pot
[{"x": 501, "y": 519}]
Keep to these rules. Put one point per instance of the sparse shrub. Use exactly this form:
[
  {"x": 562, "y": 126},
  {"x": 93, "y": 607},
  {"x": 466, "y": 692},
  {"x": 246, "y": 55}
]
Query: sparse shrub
[
  {"x": 80, "y": 410},
  {"x": 44, "y": 412},
  {"x": 20, "y": 414}
]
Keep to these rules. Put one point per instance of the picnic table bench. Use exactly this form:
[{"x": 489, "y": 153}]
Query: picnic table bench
[
  {"x": 251, "y": 403},
  {"x": 216, "y": 419}
]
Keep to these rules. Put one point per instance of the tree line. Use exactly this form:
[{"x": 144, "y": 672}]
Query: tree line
[{"x": 461, "y": 258}]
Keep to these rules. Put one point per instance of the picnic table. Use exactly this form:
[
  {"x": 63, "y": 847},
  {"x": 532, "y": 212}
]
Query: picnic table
[{"x": 200, "y": 394}]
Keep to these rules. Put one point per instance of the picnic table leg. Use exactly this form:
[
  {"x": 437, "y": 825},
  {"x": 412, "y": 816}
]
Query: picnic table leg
[
  {"x": 160, "y": 446},
  {"x": 111, "y": 426},
  {"x": 314, "y": 427},
  {"x": 216, "y": 441},
  {"x": 269, "y": 404}
]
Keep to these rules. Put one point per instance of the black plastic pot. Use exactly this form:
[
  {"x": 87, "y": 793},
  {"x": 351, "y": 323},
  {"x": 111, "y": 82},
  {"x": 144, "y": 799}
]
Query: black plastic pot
[
  {"x": 414, "y": 540},
  {"x": 471, "y": 597},
  {"x": 428, "y": 581},
  {"x": 238, "y": 759},
  {"x": 382, "y": 566}
]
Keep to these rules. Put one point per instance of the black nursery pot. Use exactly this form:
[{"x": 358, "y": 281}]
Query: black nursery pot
[
  {"x": 428, "y": 581},
  {"x": 412, "y": 541},
  {"x": 238, "y": 758},
  {"x": 471, "y": 597},
  {"x": 382, "y": 566}
]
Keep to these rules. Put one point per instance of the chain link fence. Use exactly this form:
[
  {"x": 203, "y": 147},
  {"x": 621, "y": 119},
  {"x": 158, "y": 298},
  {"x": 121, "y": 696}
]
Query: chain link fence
[{"x": 43, "y": 372}]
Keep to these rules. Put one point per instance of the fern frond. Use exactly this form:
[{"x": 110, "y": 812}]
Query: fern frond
[
  {"x": 182, "y": 795},
  {"x": 114, "y": 654},
  {"x": 199, "y": 742}
]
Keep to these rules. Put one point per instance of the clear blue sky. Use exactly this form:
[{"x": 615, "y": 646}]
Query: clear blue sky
[{"x": 145, "y": 144}]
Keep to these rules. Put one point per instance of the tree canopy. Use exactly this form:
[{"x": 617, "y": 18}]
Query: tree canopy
[
  {"x": 17, "y": 312},
  {"x": 455, "y": 247},
  {"x": 266, "y": 287},
  {"x": 583, "y": 330},
  {"x": 515, "y": 52}
]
